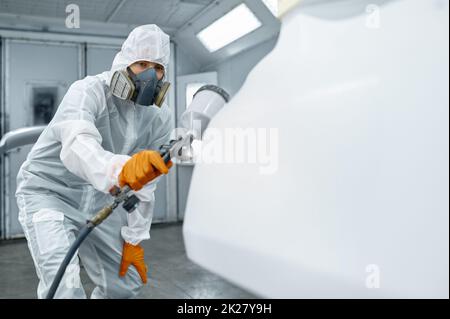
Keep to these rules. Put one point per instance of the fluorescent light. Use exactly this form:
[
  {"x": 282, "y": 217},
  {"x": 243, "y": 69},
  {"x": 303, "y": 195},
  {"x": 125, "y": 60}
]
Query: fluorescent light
[
  {"x": 232, "y": 26},
  {"x": 272, "y": 5}
]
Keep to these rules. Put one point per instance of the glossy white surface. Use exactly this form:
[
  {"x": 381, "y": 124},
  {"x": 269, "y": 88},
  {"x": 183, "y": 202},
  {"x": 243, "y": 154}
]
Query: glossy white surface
[{"x": 362, "y": 184}]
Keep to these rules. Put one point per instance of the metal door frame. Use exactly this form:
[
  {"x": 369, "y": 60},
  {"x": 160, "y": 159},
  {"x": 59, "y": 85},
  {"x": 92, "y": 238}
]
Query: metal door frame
[
  {"x": 2, "y": 132},
  {"x": 5, "y": 111},
  {"x": 181, "y": 101},
  {"x": 171, "y": 179}
]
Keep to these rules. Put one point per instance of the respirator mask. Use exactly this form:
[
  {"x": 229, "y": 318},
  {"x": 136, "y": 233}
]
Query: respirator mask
[{"x": 143, "y": 88}]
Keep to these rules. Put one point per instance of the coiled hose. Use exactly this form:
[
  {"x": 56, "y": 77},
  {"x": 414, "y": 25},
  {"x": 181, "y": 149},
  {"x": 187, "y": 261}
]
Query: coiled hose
[{"x": 85, "y": 231}]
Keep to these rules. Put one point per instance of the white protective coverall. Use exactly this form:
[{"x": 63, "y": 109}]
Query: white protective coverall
[{"x": 77, "y": 159}]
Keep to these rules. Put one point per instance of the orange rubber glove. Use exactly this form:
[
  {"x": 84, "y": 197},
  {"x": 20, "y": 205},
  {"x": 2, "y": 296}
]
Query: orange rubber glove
[
  {"x": 142, "y": 168},
  {"x": 133, "y": 255}
]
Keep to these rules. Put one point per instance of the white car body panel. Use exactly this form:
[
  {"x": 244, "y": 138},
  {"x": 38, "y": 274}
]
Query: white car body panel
[{"x": 359, "y": 206}]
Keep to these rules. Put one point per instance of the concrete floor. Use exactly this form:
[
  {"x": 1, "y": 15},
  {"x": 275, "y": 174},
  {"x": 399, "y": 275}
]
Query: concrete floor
[{"x": 172, "y": 275}]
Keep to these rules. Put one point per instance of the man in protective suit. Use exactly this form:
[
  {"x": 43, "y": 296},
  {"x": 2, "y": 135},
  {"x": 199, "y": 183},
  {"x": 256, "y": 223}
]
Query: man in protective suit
[{"x": 98, "y": 139}]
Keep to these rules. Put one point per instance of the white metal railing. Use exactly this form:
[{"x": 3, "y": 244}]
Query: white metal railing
[{"x": 20, "y": 137}]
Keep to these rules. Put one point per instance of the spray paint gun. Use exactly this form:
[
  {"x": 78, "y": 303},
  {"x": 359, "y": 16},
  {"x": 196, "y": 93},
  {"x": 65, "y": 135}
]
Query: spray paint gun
[{"x": 207, "y": 101}]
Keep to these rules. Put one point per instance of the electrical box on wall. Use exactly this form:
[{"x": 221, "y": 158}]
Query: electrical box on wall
[{"x": 43, "y": 103}]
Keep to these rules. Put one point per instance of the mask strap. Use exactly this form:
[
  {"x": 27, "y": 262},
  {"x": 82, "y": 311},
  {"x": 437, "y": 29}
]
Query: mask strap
[
  {"x": 131, "y": 74},
  {"x": 134, "y": 79}
]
